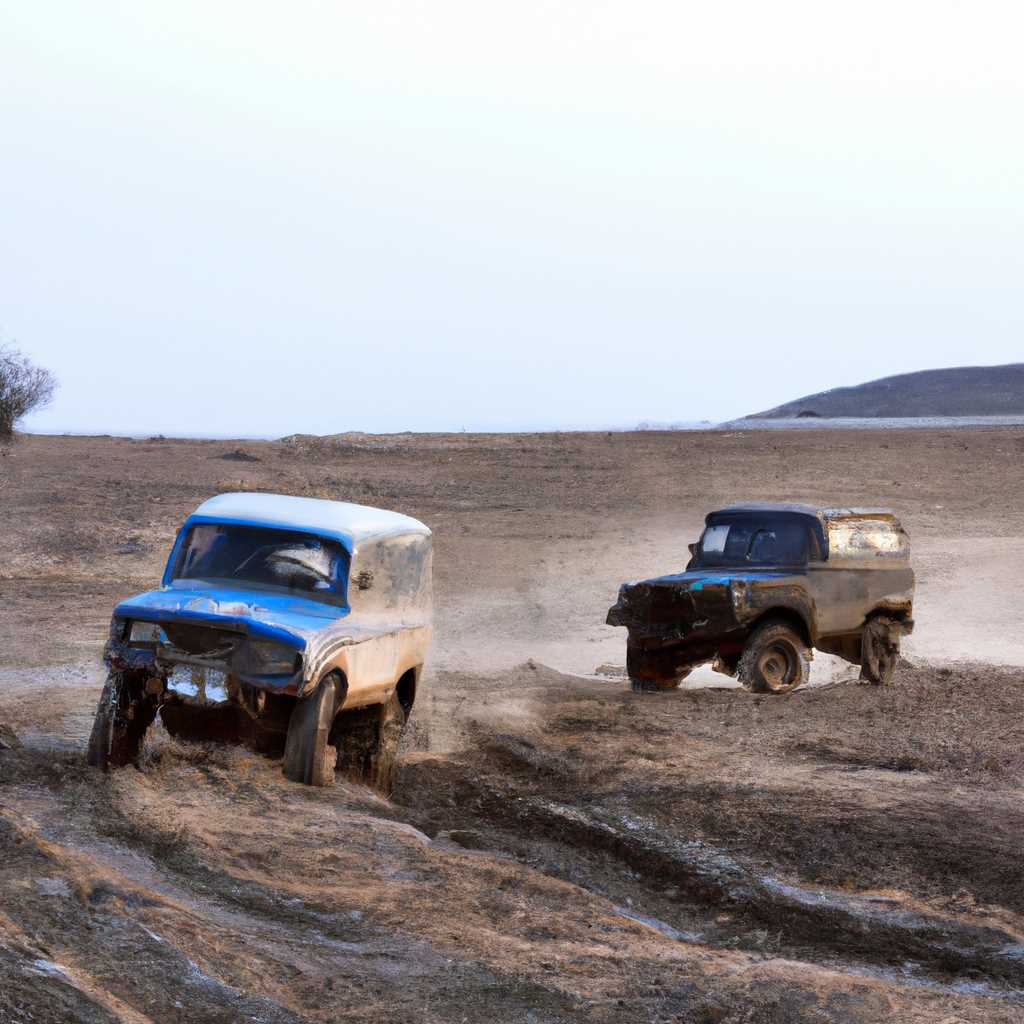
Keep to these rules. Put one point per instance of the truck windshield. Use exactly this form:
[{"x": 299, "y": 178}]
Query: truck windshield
[
  {"x": 284, "y": 560},
  {"x": 754, "y": 542}
]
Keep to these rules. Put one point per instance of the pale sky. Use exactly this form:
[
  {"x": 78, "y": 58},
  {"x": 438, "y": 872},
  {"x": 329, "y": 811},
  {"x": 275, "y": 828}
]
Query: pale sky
[{"x": 256, "y": 219}]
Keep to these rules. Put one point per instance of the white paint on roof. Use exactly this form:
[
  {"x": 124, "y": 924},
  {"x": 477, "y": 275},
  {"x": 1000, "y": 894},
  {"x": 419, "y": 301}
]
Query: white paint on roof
[
  {"x": 855, "y": 512},
  {"x": 354, "y": 523},
  {"x": 811, "y": 510}
]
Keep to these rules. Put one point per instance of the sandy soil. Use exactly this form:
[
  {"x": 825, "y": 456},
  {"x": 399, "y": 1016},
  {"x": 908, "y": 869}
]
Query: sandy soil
[{"x": 558, "y": 848}]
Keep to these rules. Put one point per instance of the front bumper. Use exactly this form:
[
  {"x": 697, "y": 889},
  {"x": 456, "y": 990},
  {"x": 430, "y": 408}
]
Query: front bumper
[
  {"x": 235, "y": 659},
  {"x": 672, "y": 614}
]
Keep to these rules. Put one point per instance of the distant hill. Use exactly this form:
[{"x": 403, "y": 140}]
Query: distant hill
[{"x": 960, "y": 391}]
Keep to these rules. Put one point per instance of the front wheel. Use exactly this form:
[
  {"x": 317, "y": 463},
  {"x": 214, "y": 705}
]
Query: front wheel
[
  {"x": 880, "y": 651},
  {"x": 308, "y": 756},
  {"x": 774, "y": 660},
  {"x": 124, "y": 714},
  {"x": 655, "y": 670}
]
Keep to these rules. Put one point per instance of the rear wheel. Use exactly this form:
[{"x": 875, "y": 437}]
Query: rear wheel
[
  {"x": 775, "y": 659},
  {"x": 384, "y": 760},
  {"x": 124, "y": 714},
  {"x": 880, "y": 651},
  {"x": 308, "y": 756},
  {"x": 367, "y": 741}
]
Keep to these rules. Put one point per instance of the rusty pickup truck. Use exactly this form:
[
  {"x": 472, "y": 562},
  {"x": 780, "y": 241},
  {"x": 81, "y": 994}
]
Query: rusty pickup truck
[{"x": 767, "y": 584}]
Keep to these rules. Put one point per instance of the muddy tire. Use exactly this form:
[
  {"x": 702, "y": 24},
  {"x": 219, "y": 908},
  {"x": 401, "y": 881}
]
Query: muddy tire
[
  {"x": 308, "y": 756},
  {"x": 775, "y": 660},
  {"x": 122, "y": 718},
  {"x": 367, "y": 742},
  {"x": 880, "y": 651},
  {"x": 383, "y": 761},
  {"x": 653, "y": 671}
]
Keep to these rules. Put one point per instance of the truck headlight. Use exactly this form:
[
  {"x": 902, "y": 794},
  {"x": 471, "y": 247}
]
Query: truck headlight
[
  {"x": 146, "y": 633},
  {"x": 267, "y": 658}
]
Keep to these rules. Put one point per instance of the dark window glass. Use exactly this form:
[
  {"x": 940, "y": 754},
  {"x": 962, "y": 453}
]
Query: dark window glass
[
  {"x": 754, "y": 542},
  {"x": 285, "y": 560}
]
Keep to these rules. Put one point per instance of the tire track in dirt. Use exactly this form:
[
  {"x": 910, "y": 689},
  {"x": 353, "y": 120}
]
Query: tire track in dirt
[
  {"x": 824, "y": 922},
  {"x": 211, "y": 928}
]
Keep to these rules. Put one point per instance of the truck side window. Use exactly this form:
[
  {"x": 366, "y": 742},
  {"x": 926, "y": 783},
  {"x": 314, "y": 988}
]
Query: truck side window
[{"x": 784, "y": 544}]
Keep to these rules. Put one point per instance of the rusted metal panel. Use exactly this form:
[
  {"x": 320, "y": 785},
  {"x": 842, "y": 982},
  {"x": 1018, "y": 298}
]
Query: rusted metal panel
[{"x": 872, "y": 536}]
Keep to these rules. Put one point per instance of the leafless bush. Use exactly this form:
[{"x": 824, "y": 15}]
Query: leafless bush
[{"x": 23, "y": 387}]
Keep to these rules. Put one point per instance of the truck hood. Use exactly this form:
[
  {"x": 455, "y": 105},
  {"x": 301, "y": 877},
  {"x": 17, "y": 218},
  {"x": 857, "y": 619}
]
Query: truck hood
[
  {"x": 682, "y": 601},
  {"x": 697, "y": 579},
  {"x": 281, "y": 617}
]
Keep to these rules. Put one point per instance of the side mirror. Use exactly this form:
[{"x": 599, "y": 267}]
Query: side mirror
[{"x": 692, "y": 548}]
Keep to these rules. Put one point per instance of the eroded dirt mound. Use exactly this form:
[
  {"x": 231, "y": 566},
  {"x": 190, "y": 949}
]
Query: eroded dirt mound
[{"x": 569, "y": 851}]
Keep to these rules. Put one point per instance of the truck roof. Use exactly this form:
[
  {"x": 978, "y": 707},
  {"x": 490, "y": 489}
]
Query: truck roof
[
  {"x": 351, "y": 524},
  {"x": 847, "y": 534},
  {"x": 824, "y": 514}
]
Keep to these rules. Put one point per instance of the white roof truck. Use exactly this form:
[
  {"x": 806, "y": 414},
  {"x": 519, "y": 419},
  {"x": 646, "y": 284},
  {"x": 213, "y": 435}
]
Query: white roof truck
[{"x": 297, "y": 625}]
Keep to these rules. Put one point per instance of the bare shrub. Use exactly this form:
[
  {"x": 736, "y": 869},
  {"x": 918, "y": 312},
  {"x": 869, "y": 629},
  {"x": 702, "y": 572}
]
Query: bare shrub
[{"x": 23, "y": 387}]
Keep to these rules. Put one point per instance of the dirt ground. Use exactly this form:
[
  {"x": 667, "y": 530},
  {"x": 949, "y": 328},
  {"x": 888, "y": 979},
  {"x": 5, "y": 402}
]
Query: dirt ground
[{"x": 558, "y": 848}]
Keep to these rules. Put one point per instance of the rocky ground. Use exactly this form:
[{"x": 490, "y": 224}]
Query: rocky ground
[{"x": 557, "y": 848}]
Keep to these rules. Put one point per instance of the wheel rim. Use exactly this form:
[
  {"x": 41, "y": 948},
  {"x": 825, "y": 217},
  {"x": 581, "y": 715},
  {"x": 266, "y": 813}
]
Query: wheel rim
[{"x": 778, "y": 667}]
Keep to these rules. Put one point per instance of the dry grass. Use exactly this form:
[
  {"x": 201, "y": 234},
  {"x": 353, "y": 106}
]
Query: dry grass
[{"x": 964, "y": 720}]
